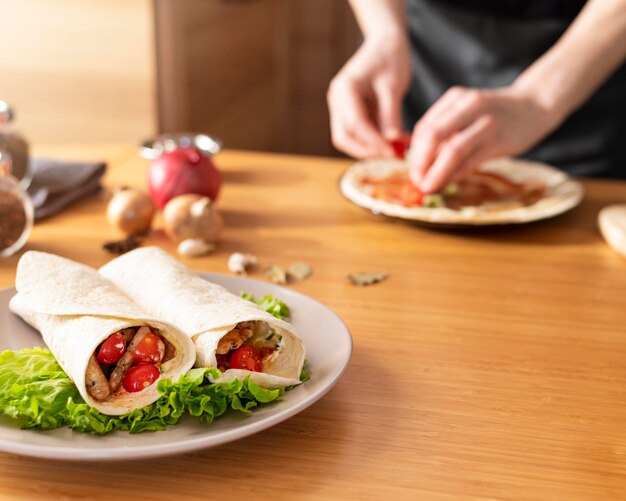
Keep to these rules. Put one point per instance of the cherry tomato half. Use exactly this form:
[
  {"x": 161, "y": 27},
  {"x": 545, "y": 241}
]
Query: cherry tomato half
[
  {"x": 112, "y": 349},
  {"x": 246, "y": 357},
  {"x": 149, "y": 350},
  {"x": 140, "y": 376}
]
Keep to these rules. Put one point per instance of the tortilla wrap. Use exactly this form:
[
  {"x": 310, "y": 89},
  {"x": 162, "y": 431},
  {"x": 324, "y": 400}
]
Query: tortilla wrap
[
  {"x": 204, "y": 311},
  {"x": 562, "y": 193},
  {"x": 75, "y": 309}
]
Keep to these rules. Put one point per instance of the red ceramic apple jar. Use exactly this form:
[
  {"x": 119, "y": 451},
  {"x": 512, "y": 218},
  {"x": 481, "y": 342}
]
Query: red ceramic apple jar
[{"x": 182, "y": 164}]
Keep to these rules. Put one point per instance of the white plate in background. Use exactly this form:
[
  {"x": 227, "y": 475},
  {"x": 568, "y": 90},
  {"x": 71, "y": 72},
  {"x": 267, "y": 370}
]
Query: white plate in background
[{"x": 562, "y": 193}]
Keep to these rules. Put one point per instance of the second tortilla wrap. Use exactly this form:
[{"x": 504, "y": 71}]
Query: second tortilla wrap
[
  {"x": 205, "y": 311},
  {"x": 76, "y": 309}
]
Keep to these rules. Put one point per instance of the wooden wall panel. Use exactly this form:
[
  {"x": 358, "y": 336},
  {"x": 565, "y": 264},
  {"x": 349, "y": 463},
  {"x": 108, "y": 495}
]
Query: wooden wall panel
[
  {"x": 253, "y": 73},
  {"x": 323, "y": 36},
  {"x": 79, "y": 71},
  {"x": 220, "y": 72}
]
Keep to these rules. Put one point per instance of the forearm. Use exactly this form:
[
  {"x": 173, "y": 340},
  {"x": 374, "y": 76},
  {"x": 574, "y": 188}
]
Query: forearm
[
  {"x": 587, "y": 54},
  {"x": 381, "y": 19}
]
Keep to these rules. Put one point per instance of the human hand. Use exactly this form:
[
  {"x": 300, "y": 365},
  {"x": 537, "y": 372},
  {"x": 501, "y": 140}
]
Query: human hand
[
  {"x": 364, "y": 98},
  {"x": 468, "y": 126}
]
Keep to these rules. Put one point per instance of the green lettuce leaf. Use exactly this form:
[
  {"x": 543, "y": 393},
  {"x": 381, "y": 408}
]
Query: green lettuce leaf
[
  {"x": 34, "y": 389},
  {"x": 304, "y": 375},
  {"x": 271, "y": 304},
  {"x": 38, "y": 394}
]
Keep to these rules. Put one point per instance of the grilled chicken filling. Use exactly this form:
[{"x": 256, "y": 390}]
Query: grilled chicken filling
[
  {"x": 249, "y": 345},
  {"x": 127, "y": 361},
  {"x": 233, "y": 339}
]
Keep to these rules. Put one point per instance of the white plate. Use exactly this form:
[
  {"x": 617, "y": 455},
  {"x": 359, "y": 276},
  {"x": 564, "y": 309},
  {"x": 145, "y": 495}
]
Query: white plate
[
  {"x": 562, "y": 194},
  {"x": 328, "y": 347}
]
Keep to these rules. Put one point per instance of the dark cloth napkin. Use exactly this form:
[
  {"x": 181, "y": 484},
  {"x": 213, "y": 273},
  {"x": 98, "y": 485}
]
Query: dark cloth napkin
[{"x": 57, "y": 184}]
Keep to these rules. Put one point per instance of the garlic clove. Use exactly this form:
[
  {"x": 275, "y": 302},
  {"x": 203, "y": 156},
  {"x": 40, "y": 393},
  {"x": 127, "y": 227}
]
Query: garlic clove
[
  {"x": 194, "y": 247},
  {"x": 199, "y": 208},
  {"x": 241, "y": 263},
  {"x": 192, "y": 216}
]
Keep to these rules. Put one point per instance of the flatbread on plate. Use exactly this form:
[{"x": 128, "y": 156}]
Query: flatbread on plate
[{"x": 562, "y": 193}]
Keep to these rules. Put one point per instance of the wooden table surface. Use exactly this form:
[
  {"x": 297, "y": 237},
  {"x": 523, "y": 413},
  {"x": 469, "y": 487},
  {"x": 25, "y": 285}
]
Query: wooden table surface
[{"x": 491, "y": 363}]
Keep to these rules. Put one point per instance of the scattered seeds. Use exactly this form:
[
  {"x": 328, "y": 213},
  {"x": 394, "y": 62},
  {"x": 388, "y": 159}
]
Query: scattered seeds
[
  {"x": 241, "y": 263},
  {"x": 277, "y": 274},
  {"x": 299, "y": 271},
  {"x": 370, "y": 278},
  {"x": 123, "y": 246}
]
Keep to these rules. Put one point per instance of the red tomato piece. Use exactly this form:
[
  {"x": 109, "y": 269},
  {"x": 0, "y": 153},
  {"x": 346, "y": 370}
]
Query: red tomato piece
[
  {"x": 399, "y": 148},
  {"x": 246, "y": 357},
  {"x": 149, "y": 350},
  {"x": 410, "y": 195},
  {"x": 112, "y": 349},
  {"x": 140, "y": 376},
  {"x": 400, "y": 145}
]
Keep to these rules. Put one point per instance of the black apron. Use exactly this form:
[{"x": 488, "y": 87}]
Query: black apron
[{"x": 488, "y": 43}]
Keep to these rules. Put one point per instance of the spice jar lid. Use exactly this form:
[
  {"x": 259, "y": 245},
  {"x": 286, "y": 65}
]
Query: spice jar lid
[
  {"x": 6, "y": 113},
  {"x": 154, "y": 147}
]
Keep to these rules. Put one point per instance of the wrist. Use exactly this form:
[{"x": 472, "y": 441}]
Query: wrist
[
  {"x": 382, "y": 21},
  {"x": 543, "y": 97},
  {"x": 388, "y": 38}
]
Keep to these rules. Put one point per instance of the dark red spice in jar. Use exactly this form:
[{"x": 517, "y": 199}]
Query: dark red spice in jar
[{"x": 12, "y": 219}]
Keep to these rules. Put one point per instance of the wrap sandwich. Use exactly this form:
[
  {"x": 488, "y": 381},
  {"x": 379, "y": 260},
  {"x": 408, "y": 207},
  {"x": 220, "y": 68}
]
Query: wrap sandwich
[
  {"x": 113, "y": 351},
  {"x": 229, "y": 333}
]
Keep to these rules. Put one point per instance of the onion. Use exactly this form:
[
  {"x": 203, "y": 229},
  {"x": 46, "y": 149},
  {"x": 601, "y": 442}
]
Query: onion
[
  {"x": 130, "y": 210},
  {"x": 181, "y": 171}
]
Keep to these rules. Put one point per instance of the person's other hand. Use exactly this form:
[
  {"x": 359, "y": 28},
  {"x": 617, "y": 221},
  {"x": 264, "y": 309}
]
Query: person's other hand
[
  {"x": 468, "y": 126},
  {"x": 365, "y": 97}
]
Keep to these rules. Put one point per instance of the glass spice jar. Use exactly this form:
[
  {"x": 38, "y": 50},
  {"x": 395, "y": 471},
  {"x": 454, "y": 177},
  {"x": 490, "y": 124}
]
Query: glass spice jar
[
  {"x": 16, "y": 210},
  {"x": 14, "y": 145}
]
